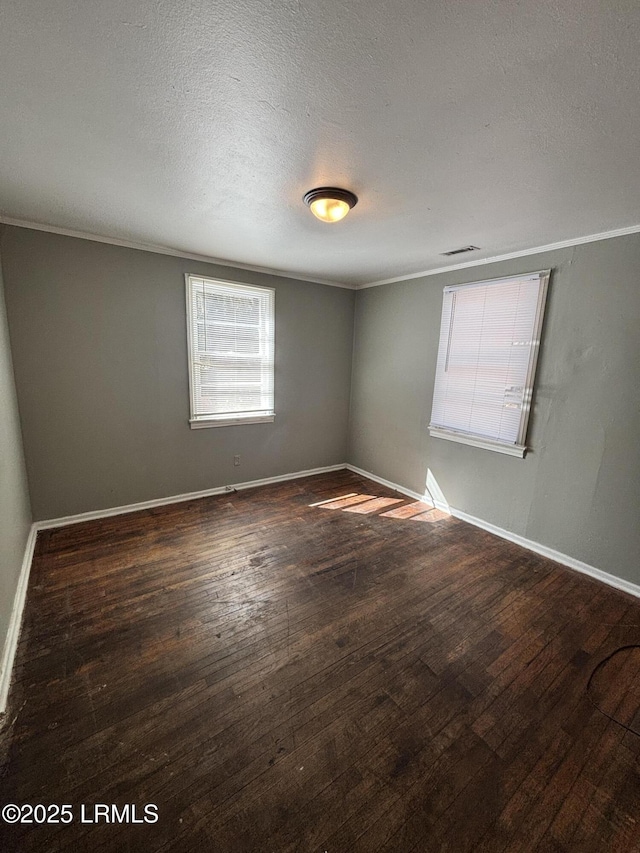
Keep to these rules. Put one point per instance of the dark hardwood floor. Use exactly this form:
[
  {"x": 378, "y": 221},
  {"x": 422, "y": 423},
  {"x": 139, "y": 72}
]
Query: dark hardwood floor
[{"x": 276, "y": 676}]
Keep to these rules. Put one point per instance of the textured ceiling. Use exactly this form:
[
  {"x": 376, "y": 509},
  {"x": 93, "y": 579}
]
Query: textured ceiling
[{"x": 198, "y": 125}]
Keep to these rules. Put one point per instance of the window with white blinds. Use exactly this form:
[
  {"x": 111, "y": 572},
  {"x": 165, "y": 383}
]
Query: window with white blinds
[
  {"x": 489, "y": 343},
  {"x": 231, "y": 333}
]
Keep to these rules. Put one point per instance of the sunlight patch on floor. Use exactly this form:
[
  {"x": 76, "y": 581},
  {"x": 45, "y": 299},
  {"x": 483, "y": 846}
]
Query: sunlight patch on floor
[
  {"x": 332, "y": 500},
  {"x": 408, "y": 510},
  {"x": 342, "y": 503},
  {"x": 369, "y": 504},
  {"x": 373, "y": 505}
]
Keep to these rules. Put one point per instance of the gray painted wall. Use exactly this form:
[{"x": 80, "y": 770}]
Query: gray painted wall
[
  {"x": 99, "y": 351},
  {"x": 100, "y": 356},
  {"x": 15, "y": 512},
  {"x": 578, "y": 489}
]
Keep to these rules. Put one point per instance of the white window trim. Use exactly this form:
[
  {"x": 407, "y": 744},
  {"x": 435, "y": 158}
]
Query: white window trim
[
  {"x": 223, "y": 420},
  {"x": 519, "y": 448},
  {"x": 477, "y": 441},
  {"x": 207, "y": 421}
]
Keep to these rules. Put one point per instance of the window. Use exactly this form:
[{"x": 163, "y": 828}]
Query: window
[
  {"x": 489, "y": 342},
  {"x": 231, "y": 352}
]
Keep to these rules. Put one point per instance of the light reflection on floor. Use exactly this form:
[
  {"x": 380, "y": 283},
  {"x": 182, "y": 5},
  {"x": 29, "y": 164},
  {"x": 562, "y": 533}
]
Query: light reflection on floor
[{"x": 367, "y": 504}]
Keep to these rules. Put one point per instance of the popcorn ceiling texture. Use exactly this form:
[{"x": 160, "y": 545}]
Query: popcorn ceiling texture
[{"x": 199, "y": 125}]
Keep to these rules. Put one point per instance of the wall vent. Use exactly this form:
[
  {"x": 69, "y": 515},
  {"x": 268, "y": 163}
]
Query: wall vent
[{"x": 460, "y": 251}]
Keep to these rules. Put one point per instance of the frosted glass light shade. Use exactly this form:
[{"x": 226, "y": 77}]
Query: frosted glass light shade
[
  {"x": 329, "y": 209},
  {"x": 330, "y": 204}
]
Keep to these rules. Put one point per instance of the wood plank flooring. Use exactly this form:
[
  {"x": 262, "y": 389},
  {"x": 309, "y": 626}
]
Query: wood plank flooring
[{"x": 279, "y": 676}]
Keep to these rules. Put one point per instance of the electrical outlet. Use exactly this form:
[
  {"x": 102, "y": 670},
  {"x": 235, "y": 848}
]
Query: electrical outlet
[{"x": 236, "y": 461}]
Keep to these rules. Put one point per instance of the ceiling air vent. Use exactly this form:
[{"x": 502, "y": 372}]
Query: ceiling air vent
[{"x": 460, "y": 251}]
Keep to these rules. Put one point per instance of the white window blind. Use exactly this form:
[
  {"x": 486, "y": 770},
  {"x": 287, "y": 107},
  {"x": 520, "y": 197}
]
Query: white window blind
[
  {"x": 489, "y": 343},
  {"x": 231, "y": 331}
]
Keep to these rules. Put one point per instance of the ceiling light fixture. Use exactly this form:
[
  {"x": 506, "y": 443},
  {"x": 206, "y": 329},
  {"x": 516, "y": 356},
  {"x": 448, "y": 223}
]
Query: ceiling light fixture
[{"x": 330, "y": 204}]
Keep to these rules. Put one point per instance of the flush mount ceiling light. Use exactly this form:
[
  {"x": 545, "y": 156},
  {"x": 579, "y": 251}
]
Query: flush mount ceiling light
[{"x": 330, "y": 204}]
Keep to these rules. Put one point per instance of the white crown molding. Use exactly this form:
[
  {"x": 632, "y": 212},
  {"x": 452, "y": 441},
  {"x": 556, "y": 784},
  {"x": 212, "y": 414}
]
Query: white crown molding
[
  {"x": 529, "y": 544},
  {"x": 206, "y": 259},
  {"x": 15, "y": 622},
  {"x": 166, "y": 250},
  {"x": 537, "y": 250}
]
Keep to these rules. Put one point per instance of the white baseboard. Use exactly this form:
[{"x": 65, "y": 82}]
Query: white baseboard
[
  {"x": 529, "y": 544},
  {"x": 13, "y": 634},
  {"x": 173, "y": 499},
  {"x": 15, "y": 622},
  {"x": 425, "y": 498},
  {"x": 403, "y": 491},
  {"x": 552, "y": 554}
]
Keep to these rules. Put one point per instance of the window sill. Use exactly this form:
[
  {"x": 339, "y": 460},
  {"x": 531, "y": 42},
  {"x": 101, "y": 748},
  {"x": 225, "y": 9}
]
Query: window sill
[
  {"x": 518, "y": 450},
  {"x": 205, "y": 423}
]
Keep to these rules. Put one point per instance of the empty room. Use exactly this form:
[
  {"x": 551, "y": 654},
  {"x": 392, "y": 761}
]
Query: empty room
[{"x": 319, "y": 406}]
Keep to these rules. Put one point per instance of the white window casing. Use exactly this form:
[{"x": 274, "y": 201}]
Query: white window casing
[
  {"x": 489, "y": 343},
  {"x": 231, "y": 342}
]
